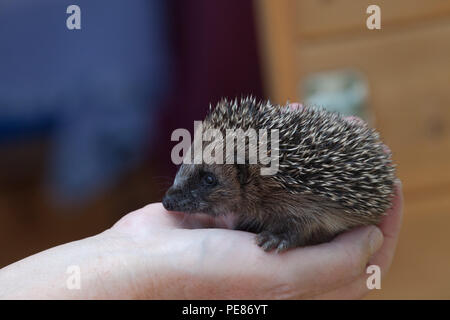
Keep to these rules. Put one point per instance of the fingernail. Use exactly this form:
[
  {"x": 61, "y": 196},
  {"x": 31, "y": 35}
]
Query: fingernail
[
  {"x": 399, "y": 183},
  {"x": 355, "y": 119},
  {"x": 295, "y": 106},
  {"x": 375, "y": 240}
]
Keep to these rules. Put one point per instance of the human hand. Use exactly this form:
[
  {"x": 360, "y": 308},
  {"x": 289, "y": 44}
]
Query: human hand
[
  {"x": 168, "y": 259},
  {"x": 154, "y": 254}
]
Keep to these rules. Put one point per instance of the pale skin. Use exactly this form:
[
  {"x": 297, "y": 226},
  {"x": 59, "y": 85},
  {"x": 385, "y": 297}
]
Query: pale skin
[{"x": 153, "y": 254}]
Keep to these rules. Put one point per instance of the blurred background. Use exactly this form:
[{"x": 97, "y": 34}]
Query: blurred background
[{"x": 86, "y": 115}]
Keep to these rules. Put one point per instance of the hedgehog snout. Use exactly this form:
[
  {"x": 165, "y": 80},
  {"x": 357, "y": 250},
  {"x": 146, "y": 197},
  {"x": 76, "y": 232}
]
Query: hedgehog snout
[
  {"x": 168, "y": 203},
  {"x": 176, "y": 200}
]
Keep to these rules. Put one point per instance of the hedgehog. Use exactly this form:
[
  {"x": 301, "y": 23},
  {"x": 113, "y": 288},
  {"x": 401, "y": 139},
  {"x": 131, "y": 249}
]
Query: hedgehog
[{"x": 332, "y": 174}]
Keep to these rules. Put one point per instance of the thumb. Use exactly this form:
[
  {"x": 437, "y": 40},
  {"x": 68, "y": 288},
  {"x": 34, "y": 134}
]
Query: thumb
[
  {"x": 353, "y": 249},
  {"x": 338, "y": 262}
]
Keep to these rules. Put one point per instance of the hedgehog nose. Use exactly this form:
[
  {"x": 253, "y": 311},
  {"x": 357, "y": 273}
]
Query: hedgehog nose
[{"x": 168, "y": 203}]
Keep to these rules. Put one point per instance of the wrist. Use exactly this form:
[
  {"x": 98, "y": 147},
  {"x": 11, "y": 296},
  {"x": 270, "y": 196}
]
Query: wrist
[{"x": 91, "y": 268}]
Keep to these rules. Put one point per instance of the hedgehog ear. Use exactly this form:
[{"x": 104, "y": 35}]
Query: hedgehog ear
[{"x": 243, "y": 173}]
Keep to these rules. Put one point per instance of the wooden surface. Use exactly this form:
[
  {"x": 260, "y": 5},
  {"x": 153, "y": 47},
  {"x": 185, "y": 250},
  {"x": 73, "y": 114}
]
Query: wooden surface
[
  {"x": 408, "y": 71},
  {"x": 407, "y": 66},
  {"x": 317, "y": 18},
  {"x": 275, "y": 21}
]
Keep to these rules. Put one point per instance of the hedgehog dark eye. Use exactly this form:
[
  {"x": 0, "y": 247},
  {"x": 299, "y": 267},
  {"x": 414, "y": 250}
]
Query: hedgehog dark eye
[{"x": 209, "y": 179}]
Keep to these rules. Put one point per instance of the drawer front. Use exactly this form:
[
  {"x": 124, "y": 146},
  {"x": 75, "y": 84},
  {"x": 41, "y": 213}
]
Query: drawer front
[
  {"x": 409, "y": 83},
  {"x": 322, "y": 17}
]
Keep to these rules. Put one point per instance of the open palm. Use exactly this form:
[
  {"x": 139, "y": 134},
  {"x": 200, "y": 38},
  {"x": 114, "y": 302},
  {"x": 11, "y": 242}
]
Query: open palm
[{"x": 174, "y": 255}]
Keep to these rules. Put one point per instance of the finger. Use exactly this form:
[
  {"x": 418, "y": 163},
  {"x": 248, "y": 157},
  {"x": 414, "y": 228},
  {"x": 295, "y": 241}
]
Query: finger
[
  {"x": 310, "y": 271},
  {"x": 355, "y": 119},
  {"x": 386, "y": 149},
  {"x": 193, "y": 220},
  {"x": 390, "y": 226},
  {"x": 295, "y": 106},
  {"x": 201, "y": 220},
  {"x": 149, "y": 216},
  {"x": 355, "y": 290},
  {"x": 155, "y": 215}
]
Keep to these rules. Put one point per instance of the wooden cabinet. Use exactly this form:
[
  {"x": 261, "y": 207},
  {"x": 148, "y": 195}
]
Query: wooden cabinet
[
  {"x": 408, "y": 72},
  {"x": 407, "y": 67},
  {"x": 325, "y": 17}
]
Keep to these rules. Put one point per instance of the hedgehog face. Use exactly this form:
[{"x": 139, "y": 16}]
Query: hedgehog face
[{"x": 210, "y": 189}]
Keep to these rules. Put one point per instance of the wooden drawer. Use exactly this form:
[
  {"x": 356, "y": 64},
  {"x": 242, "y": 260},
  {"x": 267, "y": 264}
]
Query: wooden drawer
[
  {"x": 321, "y": 17},
  {"x": 409, "y": 83}
]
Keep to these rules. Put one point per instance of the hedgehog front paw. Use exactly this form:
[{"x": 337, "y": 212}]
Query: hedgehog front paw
[{"x": 270, "y": 241}]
